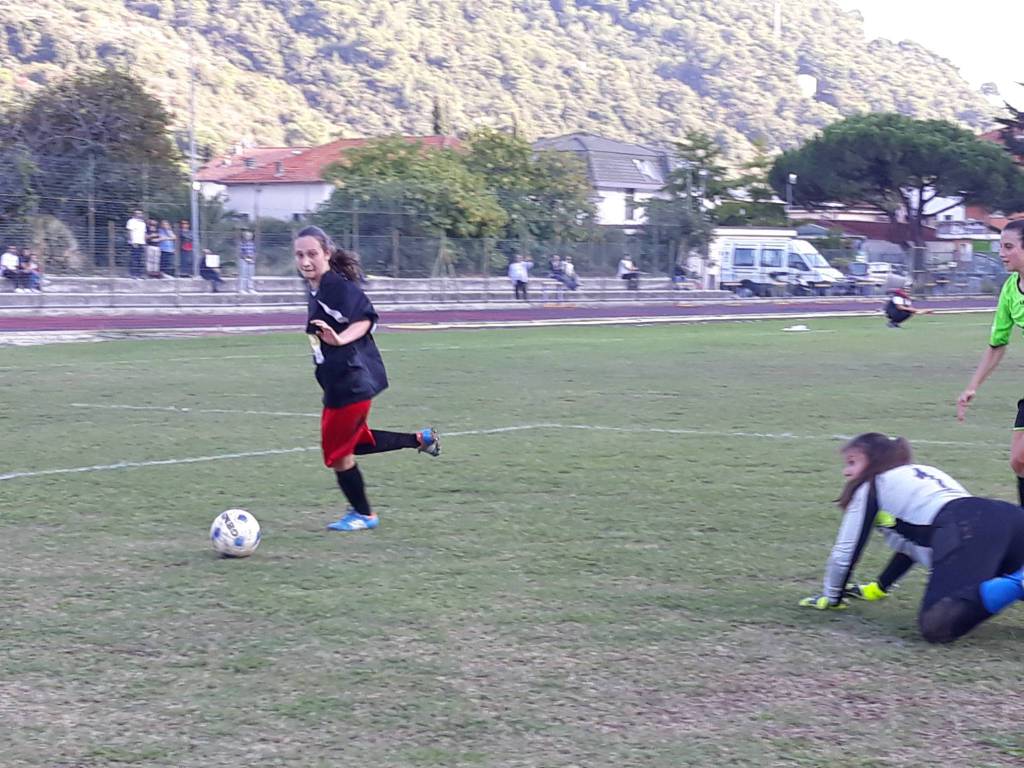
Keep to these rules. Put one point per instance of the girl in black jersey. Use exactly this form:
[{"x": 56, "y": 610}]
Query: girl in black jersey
[{"x": 349, "y": 369}]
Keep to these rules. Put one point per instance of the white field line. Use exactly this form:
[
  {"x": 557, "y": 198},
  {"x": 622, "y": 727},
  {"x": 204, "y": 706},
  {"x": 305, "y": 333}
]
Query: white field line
[
  {"x": 155, "y": 463},
  {"x": 180, "y": 409},
  {"x": 463, "y": 433}
]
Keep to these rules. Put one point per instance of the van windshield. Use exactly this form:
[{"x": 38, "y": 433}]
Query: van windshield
[{"x": 815, "y": 259}]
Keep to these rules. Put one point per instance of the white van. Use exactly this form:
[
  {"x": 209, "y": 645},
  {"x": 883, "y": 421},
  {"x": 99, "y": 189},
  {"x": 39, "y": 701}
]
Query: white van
[{"x": 770, "y": 262}]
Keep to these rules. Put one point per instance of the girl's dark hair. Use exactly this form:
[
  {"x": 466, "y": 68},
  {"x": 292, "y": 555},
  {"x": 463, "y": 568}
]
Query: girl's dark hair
[
  {"x": 340, "y": 260},
  {"x": 883, "y": 453},
  {"x": 1017, "y": 225}
]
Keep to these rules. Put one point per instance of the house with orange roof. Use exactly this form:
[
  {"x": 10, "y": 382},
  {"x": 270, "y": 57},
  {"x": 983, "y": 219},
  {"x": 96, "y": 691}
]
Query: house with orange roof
[{"x": 284, "y": 182}]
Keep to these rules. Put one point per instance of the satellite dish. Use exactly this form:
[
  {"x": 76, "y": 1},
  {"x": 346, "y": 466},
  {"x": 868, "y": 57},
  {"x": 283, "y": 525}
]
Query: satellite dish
[{"x": 808, "y": 85}]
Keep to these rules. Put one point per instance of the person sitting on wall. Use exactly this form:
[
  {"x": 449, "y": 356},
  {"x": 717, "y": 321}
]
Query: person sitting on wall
[
  {"x": 210, "y": 269},
  {"x": 628, "y": 271}
]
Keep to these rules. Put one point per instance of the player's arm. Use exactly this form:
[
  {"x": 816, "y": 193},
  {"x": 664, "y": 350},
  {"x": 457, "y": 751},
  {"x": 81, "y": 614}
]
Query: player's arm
[
  {"x": 988, "y": 363},
  {"x": 850, "y": 541},
  {"x": 999, "y": 337},
  {"x": 353, "y": 332},
  {"x": 879, "y": 589},
  {"x": 349, "y": 306}
]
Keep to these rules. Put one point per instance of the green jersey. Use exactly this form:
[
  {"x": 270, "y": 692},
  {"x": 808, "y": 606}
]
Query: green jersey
[{"x": 1009, "y": 312}]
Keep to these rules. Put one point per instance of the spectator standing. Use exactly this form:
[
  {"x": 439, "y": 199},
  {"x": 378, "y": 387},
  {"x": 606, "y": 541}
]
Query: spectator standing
[
  {"x": 136, "y": 227},
  {"x": 152, "y": 248},
  {"x": 10, "y": 267},
  {"x": 519, "y": 274},
  {"x": 165, "y": 241},
  {"x": 186, "y": 267},
  {"x": 246, "y": 263}
]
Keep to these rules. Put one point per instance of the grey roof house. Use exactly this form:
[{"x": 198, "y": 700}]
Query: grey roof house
[{"x": 623, "y": 175}]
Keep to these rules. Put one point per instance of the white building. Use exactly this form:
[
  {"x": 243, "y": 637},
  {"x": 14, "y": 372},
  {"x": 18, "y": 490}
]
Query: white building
[
  {"x": 623, "y": 175},
  {"x": 284, "y": 182}
]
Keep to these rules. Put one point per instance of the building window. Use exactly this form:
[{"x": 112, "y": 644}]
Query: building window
[
  {"x": 630, "y": 204},
  {"x": 296, "y": 217}
]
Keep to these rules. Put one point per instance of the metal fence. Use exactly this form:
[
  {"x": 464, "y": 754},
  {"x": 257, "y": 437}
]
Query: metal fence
[{"x": 102, "y": 248}]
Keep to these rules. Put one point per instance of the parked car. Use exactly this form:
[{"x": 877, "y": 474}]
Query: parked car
[{"x": 861, "y": 280}]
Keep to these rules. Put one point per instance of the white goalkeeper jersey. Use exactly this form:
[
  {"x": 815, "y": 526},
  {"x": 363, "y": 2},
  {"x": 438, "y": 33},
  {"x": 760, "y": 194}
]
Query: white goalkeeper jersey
[{"x": 902, "y": 503}]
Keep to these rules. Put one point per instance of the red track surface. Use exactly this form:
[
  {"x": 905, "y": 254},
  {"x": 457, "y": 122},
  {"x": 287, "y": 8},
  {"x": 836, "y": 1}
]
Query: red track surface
[{"x": 446, "y": 314}]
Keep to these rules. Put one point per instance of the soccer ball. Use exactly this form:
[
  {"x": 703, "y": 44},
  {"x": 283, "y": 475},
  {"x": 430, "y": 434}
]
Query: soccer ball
[{"x": 235, "y": 533}]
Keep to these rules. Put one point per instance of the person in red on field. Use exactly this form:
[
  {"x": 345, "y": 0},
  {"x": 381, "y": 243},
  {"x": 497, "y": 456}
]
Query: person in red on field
[{"x": 349, "y": 369}]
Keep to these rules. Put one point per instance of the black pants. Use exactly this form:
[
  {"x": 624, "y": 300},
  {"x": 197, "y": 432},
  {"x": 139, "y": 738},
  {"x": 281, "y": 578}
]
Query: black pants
[
  {"x": 19, "y": 279},
  {"x": 208, "y": 273},
  {"x": 521, "y": 289},
  {"x": 136, "y": 266},
  {"x": 895, "y": 314},
  {"x": 973, "y": 540}
]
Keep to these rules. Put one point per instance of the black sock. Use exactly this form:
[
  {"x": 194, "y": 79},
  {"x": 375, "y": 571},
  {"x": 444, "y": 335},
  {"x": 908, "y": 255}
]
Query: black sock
[
  {"x": 351, "y": 483},
  {"x": 388, "y": 441},
  {"x": 1020, "y": 490}
]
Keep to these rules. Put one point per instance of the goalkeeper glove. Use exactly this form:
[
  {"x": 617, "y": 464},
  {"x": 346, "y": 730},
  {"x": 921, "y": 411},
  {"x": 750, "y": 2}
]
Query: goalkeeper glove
[
  {"x": 870, "y": 592},
  {"x": 822, "y": 603}
]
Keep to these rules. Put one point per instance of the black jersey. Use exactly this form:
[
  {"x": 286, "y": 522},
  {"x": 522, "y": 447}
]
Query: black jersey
[{"x": 353, "y": 372}]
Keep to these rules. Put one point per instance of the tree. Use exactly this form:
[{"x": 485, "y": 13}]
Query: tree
[
  {"x": 393, "y": 185},
  {"x": 1012, "y": 132},
  {"x": 700, "y": 170},
  {"x": 675, "y": 227},
  {"x": 546, "y": 195},
  {"x": 749, "y": 200},
  {"x": 93, "y": 146},
  {"x": 899, "y": 165}
]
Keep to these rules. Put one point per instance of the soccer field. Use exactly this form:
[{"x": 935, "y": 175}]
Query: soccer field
[{"x": 601, "y": 569}]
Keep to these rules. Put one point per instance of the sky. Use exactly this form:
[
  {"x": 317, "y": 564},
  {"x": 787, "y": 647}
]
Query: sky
[{"x": 985, "y": 39}]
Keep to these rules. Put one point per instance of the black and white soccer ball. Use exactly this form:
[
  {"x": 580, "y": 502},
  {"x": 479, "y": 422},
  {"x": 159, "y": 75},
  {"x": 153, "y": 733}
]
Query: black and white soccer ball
[{"x": 235, "y": 533}]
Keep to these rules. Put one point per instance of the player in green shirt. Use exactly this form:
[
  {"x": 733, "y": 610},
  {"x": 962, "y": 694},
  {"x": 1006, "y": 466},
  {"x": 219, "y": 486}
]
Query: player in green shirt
[{"x": 1009, "y": 312}]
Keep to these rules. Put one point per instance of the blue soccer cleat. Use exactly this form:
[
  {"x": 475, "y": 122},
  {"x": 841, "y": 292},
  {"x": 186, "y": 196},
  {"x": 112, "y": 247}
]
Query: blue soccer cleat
[
  {"x": 430, "y": 442},
  {"x": 353, "y": 521}
]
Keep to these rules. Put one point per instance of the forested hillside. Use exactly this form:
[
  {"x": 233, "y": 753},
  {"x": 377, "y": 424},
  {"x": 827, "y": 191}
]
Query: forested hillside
[{"x": 307, "y": 70}]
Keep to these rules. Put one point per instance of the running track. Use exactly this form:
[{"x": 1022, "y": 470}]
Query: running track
[{"x": 452, "y": 315}]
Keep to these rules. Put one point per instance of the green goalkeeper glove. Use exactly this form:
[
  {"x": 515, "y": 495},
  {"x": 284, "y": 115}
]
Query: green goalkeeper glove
[
  {"x": 822, "y": 603},
  {"x": 870, "y": 592}
]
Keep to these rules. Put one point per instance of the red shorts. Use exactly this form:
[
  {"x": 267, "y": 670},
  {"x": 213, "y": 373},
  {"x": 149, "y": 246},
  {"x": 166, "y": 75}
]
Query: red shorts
[{"x": 342, "y": 429}]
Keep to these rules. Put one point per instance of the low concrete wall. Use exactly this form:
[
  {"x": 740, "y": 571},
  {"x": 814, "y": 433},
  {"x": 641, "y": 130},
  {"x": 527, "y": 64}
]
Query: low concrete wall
[{"x": 73, "y": 292}]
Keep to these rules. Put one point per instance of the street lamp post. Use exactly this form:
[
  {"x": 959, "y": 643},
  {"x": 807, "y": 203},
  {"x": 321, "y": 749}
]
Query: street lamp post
[
  {"x": 791, "y": 181},
  {"x": 197, "y": 252}
]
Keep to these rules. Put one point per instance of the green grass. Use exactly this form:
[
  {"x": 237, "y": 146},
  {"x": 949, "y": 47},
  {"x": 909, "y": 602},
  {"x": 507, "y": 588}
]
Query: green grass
[{"x": 544, "y": 597}]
